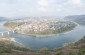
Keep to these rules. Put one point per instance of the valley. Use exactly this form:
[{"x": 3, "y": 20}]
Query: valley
[{"x": 59, "y": 37}]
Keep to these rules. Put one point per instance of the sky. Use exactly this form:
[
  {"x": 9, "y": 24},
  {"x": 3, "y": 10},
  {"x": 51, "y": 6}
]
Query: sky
[{"x": 19, "y": 8}]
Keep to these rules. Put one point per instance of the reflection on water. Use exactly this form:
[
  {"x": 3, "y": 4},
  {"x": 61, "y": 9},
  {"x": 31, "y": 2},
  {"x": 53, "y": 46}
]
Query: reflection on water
[{"x": 50, "y": 41}]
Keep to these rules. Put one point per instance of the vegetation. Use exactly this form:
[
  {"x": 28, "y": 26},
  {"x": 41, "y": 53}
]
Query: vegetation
[
  {"x": 81, "y": 51},
  {"x": 80, "y": 19},
  {"x": 7, "y": 48}
]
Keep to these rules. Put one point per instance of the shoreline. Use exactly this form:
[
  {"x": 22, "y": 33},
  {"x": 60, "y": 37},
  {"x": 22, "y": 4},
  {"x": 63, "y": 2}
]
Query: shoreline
[{"x": 49, "y": 34}]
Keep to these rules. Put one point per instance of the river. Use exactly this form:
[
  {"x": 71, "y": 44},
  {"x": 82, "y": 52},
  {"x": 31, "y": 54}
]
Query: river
[{"x": 50, "y": 42}]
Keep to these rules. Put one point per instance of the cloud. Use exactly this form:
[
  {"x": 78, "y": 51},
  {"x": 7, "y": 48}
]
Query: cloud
[
  {"x": 42, "y": 5},
  {"x": 13, "y": 8},
  {"x": 75, "y": 2}
]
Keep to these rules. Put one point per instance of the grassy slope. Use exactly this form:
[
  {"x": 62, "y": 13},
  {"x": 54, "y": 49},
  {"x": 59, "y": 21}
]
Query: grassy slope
[{"x": 77, "y": 48}]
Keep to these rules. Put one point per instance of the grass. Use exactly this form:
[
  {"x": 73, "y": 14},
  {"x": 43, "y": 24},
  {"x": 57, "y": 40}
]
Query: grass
[
  {"x": 81, "y": 51},
  {"x": 6, "y": 46}
]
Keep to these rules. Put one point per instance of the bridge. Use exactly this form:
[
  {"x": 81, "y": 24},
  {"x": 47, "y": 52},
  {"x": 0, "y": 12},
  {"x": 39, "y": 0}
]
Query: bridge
[{"x": 7, "y": 32}]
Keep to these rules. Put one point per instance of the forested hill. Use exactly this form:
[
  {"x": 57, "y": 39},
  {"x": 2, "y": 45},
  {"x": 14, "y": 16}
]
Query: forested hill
[{"x": 77, "y": 18}]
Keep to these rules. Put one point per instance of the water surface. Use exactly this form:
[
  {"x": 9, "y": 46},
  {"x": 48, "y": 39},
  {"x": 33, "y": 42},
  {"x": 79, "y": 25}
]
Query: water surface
[{"x": 50, "y": 42}]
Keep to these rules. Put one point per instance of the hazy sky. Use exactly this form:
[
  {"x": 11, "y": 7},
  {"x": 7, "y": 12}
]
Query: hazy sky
[{"x": 15, "y": 8}]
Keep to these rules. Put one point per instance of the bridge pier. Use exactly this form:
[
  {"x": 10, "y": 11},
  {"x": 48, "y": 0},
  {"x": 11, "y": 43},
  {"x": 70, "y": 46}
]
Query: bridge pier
[
  {"x": 2, "y": 34},
  {"x": 13, "y": 31},
  {"x": 8, "y": 33}
]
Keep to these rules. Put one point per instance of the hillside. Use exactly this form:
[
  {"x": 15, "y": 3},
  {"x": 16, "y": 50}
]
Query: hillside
[
  {"x": 80, "y": 19},
  {"x": 77, "y": 48}
]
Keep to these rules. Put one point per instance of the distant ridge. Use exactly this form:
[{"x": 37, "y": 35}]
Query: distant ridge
[
  {"x": 3, "y": 19},
  {"x": 80, "y": 19}
]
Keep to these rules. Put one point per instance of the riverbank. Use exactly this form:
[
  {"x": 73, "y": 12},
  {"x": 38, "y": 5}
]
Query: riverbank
[
  {"x": 7, "y": 46},
  {"x": 77, "y": 48}
]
